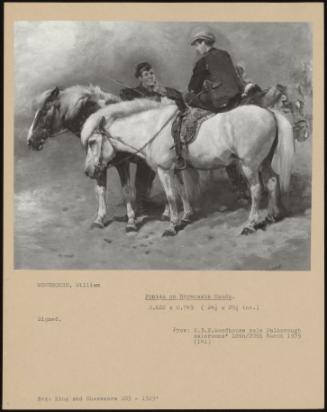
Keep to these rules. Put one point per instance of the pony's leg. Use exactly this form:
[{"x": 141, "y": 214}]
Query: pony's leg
[
  {"x": 129, "y": 195},
  {"x": 165, "y": 217},
  {"x": 188, "y": 211},
  {"x": 238, "y": 182},
  {"x": 100, "y": 191},
  {"x": 255, "y": 190},
  {"x": 187, "y": 215},
  {"x": 187, "y": 208},
  {"x": 189, "y": 189},
  {"x": 276, "y": 209},
  {"x": 167, "y": 180}
]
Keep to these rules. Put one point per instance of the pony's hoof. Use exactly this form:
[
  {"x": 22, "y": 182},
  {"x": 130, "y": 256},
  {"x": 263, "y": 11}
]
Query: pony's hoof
[
  {"x": 270, "y": 219},
  {"x": 188, "y": 218},
  {"x": 131, "y": 228},
  {"x": 164, "y": 218},
  {"x": 248, "y": 230},
  {"x": 169, "y": 232},
  {"x": 184, "y": 223},
  {"x": 273, "y": 218},
  {"x": 261, "y": 225},
  {"x": 97, "y": 225}
]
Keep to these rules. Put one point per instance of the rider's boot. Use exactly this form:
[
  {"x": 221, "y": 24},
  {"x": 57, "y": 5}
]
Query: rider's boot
[{"x": 180, "y": 163}]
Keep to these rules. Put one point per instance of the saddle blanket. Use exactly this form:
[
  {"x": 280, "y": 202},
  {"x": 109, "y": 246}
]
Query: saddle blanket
[{"x": 188, "y": 124}]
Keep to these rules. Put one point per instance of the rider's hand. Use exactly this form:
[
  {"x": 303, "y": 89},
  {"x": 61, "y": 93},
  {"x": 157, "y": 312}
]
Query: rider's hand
[
  {"x": 247, "y": 88},
  {"x": 158, "y": 88}
]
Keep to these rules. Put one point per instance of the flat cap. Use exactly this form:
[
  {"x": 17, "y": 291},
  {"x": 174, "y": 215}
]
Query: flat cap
[{"x": 202, "y": 35}]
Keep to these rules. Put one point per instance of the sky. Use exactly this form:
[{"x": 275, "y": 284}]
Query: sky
[{"x": 64, "y": 53}]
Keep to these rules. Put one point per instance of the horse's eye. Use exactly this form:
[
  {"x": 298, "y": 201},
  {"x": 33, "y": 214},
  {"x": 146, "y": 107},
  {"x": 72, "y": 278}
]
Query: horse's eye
[{"x": 43, "y": 114}]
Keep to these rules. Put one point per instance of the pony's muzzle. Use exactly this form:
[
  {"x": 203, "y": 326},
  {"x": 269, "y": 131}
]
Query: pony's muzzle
[
  {"x": 90, "y": 172},
  {"x": 36, "y": 145},
  {"x": 93, "y": 171},
  {"x": 36, "y": 140}
]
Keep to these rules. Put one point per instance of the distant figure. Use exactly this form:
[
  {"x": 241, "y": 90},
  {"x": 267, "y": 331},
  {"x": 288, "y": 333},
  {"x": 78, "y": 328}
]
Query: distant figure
[
  {"x": 249, "y": 87},
  {"x": 149, "y": 87}
]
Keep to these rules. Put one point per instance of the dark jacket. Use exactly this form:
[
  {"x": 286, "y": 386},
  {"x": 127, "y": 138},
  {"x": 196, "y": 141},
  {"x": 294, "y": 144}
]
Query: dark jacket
[
  {"x": 140, "y": 91},
  {"x": 214, "y": 82}
]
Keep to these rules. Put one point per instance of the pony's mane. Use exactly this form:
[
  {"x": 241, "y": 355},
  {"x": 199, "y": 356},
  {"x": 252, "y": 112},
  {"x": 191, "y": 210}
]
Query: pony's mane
[
  {"x": 71, "y": 98},
  {"x": 120, "y": 110}
]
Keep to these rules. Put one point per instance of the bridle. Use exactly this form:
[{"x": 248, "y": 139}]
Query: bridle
[{"x": 105, "y": 136}]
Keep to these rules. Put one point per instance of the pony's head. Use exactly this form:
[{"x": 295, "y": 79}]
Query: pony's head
[
  {"x": 65, "y": 109},
  {"x": 46, "y": 119},
  {"x": 99, "y": 152}
]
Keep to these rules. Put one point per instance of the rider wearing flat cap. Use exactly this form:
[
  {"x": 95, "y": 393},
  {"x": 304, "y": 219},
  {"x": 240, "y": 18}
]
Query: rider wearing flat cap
[{"x": 215, "y": 84}]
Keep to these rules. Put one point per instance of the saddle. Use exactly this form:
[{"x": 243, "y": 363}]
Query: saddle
[{"x": 187, "y": 124}]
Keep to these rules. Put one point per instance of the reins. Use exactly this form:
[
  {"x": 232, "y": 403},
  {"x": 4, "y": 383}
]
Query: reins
[
  {"x": 105, "y": 134},
  {"x": 62, "y": 131}
]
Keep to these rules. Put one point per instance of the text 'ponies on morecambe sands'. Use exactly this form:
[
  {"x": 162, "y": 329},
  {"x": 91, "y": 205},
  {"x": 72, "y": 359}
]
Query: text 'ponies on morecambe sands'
[{"x": 182, "y": 296}]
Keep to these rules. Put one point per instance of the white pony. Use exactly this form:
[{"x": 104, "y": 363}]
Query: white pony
[{"x": 259, "y": 140}]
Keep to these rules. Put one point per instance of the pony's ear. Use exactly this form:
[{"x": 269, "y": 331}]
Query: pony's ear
[{"x": 53, "y": 94}]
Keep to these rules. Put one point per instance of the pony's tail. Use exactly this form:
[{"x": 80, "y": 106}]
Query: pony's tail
[
  {"x": 189, "y": 184},
  {"x": 282, "y": 161}
]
